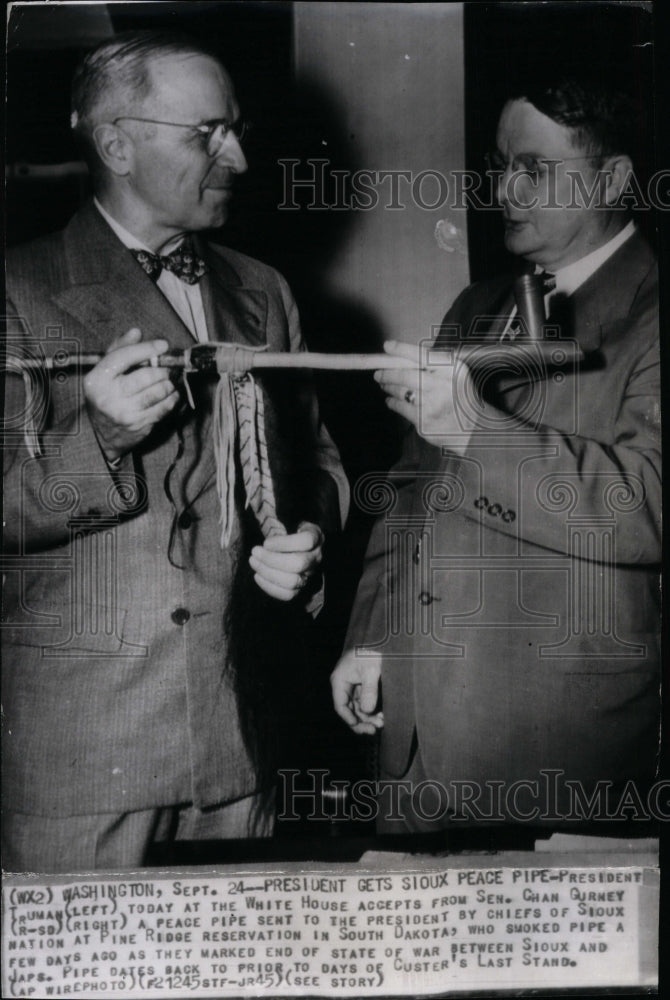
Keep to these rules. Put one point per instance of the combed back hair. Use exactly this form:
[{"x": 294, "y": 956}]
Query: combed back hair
[
  {"x": 604, "y": 120},
  {"x": 114, "y": 79}
]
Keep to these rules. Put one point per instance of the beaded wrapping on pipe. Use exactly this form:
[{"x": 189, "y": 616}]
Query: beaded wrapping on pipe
[{"x": 229, "y": 358}]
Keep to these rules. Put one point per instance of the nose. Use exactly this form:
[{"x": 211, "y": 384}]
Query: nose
[
  {"x": 513, "y": 190},
  {"x": 230, "y": 154},
  {"x": 503, "y": 186}
]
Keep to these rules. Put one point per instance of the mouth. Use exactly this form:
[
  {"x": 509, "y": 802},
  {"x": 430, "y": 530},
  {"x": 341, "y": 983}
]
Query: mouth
[
  {"x": 514, "y": 224},
  {"x": 221, "y": 181}
]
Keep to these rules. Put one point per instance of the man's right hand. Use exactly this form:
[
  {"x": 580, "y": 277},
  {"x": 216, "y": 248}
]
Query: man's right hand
[
  {"x": 355, "y": 685},
  {"x": 125, "y": 405}
]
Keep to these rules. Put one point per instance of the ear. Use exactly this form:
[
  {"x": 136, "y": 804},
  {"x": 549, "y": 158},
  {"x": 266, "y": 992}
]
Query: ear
[
  {"x": 114, "y": 148},
  {"x": 617, "y": 169}
]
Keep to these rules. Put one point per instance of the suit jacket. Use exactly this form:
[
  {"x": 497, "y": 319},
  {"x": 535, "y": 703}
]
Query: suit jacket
[
  {"x": 514, "y": 592},
  {"x": 116, "y": 691}
]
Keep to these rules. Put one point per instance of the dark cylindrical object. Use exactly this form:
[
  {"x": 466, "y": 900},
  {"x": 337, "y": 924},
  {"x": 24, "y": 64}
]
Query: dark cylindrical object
[{"x": 530, "y": 304}]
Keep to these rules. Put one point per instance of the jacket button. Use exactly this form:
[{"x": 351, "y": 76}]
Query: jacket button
[
  {"x": 185, "y": 519},
  {"x": 180, "y": 616},
  {"x": 495, "y": 510},
  {"x": 425, "y": 598},
  {"x": 508, "y": 516},
  {"x": 481, "y": 502}
]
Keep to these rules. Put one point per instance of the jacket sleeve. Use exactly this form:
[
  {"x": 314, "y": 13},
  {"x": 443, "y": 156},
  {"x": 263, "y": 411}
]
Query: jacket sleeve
[
  {"x": 558, "y": 477},
  {"x": 53, "y": 467},
  {"x": 395, "y": 494}
]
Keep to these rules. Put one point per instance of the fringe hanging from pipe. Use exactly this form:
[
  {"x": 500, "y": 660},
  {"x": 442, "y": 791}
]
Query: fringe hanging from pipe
[{"x": 239, "y": 419}]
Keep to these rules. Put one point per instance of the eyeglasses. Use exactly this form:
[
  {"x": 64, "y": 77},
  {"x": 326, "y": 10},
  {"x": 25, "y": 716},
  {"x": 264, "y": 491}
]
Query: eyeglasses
[
  {"x": 530, "y": 166},
  {"x": 213, "y": 134}
]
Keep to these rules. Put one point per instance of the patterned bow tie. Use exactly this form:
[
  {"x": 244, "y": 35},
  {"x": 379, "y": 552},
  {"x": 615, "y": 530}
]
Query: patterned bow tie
[{"x": 183, "y": 261}]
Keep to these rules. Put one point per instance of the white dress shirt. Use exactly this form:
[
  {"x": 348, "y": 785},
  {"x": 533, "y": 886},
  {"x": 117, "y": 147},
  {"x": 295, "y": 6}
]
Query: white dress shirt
[
  {"x": 571, "y": 277},
  {"x": 185, "y": 299}
]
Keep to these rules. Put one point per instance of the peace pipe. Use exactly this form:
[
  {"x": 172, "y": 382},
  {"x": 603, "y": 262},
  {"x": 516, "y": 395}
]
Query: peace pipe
[{"x": 235, "y": 359}]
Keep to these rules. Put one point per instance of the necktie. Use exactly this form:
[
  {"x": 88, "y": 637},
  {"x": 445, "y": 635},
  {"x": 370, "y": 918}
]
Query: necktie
[
  {"x": 183, "y": 262},
  {"x": 548, "y": 281},
  {"x": 516, "y": 328}
]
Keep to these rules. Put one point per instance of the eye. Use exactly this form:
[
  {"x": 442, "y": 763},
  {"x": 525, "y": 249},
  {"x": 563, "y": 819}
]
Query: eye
[
  {"x": 204, "y": 134},
  {"x": 527, "y": 165}
]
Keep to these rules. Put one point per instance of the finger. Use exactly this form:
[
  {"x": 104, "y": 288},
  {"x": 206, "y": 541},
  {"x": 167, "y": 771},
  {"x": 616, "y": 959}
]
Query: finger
[
  {"x": 290, "y": 562},
  {"x": 152, "y": 394},
  {"x": 140, "y": 379},
  {"x": 370, "y": 724},
  {"x": 400, "y": 377},
  {"x": 156, "y": 412},
  {"x": 301, "y": 541},
  {"x": 402, "y": 391},
  {"x": 402, "y": 350},
  {"x": 120, "y": 359},
  {"x": 272, "y": 590},
  {"x": 369, "y": 694},
  {"x": 407, "y": 410},
  {"x": 290, "y": 582},
  {"x": 365, "y": 728},
  {"x": 132, "y": 336},
  {"x": 341, "y": 690}
]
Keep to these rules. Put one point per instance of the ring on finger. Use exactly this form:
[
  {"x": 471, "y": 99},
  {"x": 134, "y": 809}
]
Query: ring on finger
[{"x": 410, "y": 397}]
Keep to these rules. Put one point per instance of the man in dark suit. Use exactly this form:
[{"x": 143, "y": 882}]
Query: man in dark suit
[
  {"x": 132, "y": 708},
  {"x": 509, "y": 603}
]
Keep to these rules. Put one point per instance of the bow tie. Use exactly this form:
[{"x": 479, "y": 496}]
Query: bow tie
[{"x": 183, "y": 262}]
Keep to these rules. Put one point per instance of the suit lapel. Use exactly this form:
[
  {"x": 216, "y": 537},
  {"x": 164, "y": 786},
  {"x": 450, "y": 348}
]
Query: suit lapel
[
  {"x": 590, "y": 314},
  {"x": 109, "y": 292},
  {"x": 234, "y": 313}
]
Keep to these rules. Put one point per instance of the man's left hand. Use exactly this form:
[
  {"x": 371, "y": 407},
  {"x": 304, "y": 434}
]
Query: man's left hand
[
  {"x": 440, "y": 401},
  {"x": 285, "y": 565}
]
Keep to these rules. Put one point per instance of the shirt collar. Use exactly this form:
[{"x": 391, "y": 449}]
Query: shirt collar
[
  {"x": 570, "y": 278},
  {"x": 130, "y": 241}
]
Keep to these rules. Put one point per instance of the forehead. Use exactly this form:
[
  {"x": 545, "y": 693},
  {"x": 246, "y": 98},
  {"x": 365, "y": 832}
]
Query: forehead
[
  {"x": 524, "y": 129},
  {"x": 190, "y": 87}
]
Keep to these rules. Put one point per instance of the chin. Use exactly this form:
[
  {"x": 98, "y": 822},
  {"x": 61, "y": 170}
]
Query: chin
[
  {"x": 214, "y": 219},
  {"x": 220, "y": 219},
  {"x": 519, "y": 243}
]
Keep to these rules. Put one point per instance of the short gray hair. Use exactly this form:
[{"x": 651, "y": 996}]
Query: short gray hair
[{"x": 114, "y": 77}]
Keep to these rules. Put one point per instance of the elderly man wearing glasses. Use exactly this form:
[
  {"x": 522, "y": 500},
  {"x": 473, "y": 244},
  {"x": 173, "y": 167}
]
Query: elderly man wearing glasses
[
  {"x": 139, "y": 697},
  {"x": 505, "y": 636}
]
